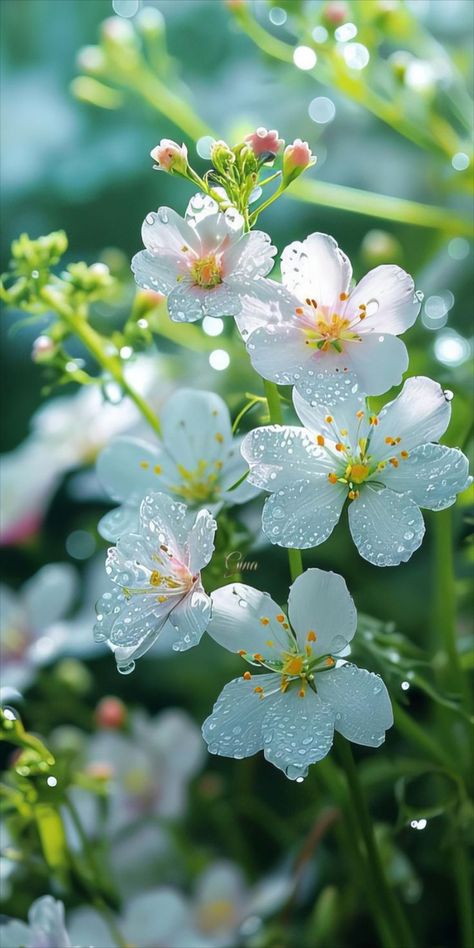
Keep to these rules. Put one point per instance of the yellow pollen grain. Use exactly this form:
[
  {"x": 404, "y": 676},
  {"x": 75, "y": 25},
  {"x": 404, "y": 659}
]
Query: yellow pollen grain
[
  {"x": 332, "y": 478},
  {"x": 404, "y": 455},
  {"x": 144, "y": 465},
  {"x": 246, "y": 676},
  {"x": 320, "y": 440},
  {"x": 155, "y": 578},
  {"x": 264, "y": 620},
  {"x": 344, "y": 431},
  {"x": 269, "y": 643},
  {"x": 157, "y": 469},
  {"x": 311, "y": 636},
  {"x": 219, "y": 437},
  {"x": 329, "y": 419},
  {"x": 393, "y": 462},
  {"x": 280, "y": 617},
  {"x": 343, "y": 296},
  {"x": 162, "y": 598}
]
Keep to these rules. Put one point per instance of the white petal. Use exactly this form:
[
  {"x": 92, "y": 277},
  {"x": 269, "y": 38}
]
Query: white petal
[
  {"x": 279, "y": 353},
  {"x": 420, "y": 413},
  {"x": 236, "y": 622},
  {"x": 316, "y": 268},
  {"x": 338, "y": 394},
  {"x": 199, "y": 546},
  {"x": 432, "y": 475},
  {"x": 360, "y": 701},
  {"x": 250, "y": 257},
  {"x": 126, "y": 468},
  {"x": 49, "y": 594},
  {"x": 190, "y": 618},
  {"x": 167, "y": 232},
  {"x": 234, "y": 729},
  {"x": 131, "y": 625},
  {"x": 233, "y": 469},
  {"x": 159, "y": 273},
  {"x": 87, "y": 927},
  {"x": 265, "y": 302},
  {"x": 320, "y": 602},
  {"x": 389, "y": 295},
  {"x": 303, "y": 514},
  {"x": 297, "y": 731},
  {"x": 386, "y": 527},
  {"x": 163, "y": 521},
  {"x": 46, "y": 918},
  {"x": 377, "y": 362},
  {"x": 124, "y": 519},
  {"x": 313, "y": 414},
  {"x": 196, "y": 427},
  {"x": 155, "y": 917},
  {"x": 188, "y": 302},
  {"x": 279, "y": 456},
  {"x": 211, "y": 225},
  {"x": 15, "y": 934}
]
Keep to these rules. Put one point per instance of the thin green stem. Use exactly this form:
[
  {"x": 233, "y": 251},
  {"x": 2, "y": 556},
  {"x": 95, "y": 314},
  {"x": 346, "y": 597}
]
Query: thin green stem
[
  {"x": 400, "y": 925},
  {"x": 415, "y": 734},
  {"x": 95, "y": 345},
  {"x": 462, "y": 872}
]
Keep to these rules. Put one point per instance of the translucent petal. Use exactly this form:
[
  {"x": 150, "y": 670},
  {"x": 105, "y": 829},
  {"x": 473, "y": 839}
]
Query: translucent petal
[
  {"x": 165, "y": 522},
  {"x": 187, "y": 302},
  {"x": 124, "y": 519},
  {"x": 87, "y": 927},
  {"x": 190, "y": 618},
  {"x": 15, "y": 934},
  {"x": 313, "y": 415},
  {"x": 128, "y": 623},
  {"x": 211, "y": 226},
  {"x": 316, "y": 268},
  {"x": 196, "y": 427},
  {"x": 245, "y": 619},
  {"x": 279, "y": 353},
  {"x": 221, "y": 881},
  {"x": 303, "y": 514},
  {"x": 432, "y": 475},
  {"x": 360, "y": 701},
  {"x": 297, "y": 731},
  {"x": 223, "y": 300},
  {"x": 386, "y": 527},
  {"x": 200, "y": 543},
  {"x": 278, "y": 456},
  {"x": 266, "y": 301},
  {"x": 336, "y": 394},
  {"x": 250, "y": 257},
  {"x": 128, "y": 467},
  {"x": 157, "y": 272},
  {"x": 49, "y": 594},
  {"x": 320, "y": 602},
  {"x": 419, "y": 414},
  {"x": 234, "y": 729},
  {"x": 377, "y": 362},
  {"x": 46, "y": 918},
  {"x": 389, "y": 295},
  {"x": 165, "y": 231}
]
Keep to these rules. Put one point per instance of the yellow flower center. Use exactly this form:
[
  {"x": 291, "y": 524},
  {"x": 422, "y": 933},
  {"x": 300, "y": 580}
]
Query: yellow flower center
[
  {"x": 357, "y": 473},
  {"x": 207, "y": 272},
  {"x": 199, "y": 484},
  {"x": 325, "y": 330}
]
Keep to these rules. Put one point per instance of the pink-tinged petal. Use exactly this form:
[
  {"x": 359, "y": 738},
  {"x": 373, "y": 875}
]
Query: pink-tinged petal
[
  {"x": 264, "y": 302},
  {"x": 304, "y": 513},
  {"x": 420, "y": 413},
  {"x": 386, "y": 527},
  {"x": 263, "y": 142},
  {"x": 360, "y": 701},
  {"x": 279, "y": 353},
  {"x": 432, "y": 475},
  {"x": 320, "y": 603},
  {"x": 278, "y": 456},
  {"x": 159, "y": 273},
  {"x": 165, "y": 231},
  {"x": 317, "y": 269},
  {"x": 214, "y": 229},
  {"x": 190, "y": 618},
  {"x": 388, "y": 295},
  {"x": 378, "y": 362},
  {"x": 249, "y": 257}
]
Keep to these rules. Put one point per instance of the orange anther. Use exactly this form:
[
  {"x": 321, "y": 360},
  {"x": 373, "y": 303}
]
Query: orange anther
[
  {"x": 320, "y": 440},
  {"x": 242, "y": 652},
  {"x": 247, "y": 676},
  {"x": 270, "y": 643},
  {"x": 343, "y": 296},
  {"x": 330, "y": 661},
  {"x": 264, "y": 620},
  {"x": 339, "y": 446},
  {"x": 258, "y": 690},
  {"x": 329, "y": 419},
  {"x": 332, "y": 478},
  {"x": 299, "y": 311},
  {"x": 311, "y": 636},
  {"x": 258, "y": 657},
  {"x": 404, "y": 455},
  {"x": 280, "y": 617},
  {"x": 393, "y": 462},
  {"x": 360, "y": 414}
]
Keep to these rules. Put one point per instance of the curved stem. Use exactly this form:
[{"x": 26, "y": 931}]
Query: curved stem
[{"x": 94, "y": 344}]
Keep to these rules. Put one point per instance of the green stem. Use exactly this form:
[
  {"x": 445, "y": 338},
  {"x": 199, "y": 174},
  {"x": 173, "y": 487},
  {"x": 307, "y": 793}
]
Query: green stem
[
  {"x": 462, "y": 873},
  {"x": 412, "y": 731},
  {"x": 95, "y": 345},
  {"x": 399, "y": 924}
]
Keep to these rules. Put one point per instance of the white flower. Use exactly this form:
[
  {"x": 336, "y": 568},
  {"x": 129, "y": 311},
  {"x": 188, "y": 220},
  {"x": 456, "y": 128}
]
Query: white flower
[
  {"x": 45, "y": 928},
  {"x": 203, "y": 263},
  {"x": 322, "y": 327},
  {"x": 386, "y": 464},
  {"x": 28, "y": 633},
  {"x": 291, "y": 711},
  {"x": 156, "y": 572},
  {"x": 196, "y": 462}
]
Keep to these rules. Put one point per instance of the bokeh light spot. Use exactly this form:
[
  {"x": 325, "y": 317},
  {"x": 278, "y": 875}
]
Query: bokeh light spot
[{"x": 321, "y": 110}]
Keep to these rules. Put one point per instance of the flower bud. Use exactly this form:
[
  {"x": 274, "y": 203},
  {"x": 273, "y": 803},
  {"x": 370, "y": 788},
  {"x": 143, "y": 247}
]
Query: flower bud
[
  {"x": 222, "y": 156},
  {"x": 170, "y": 156},
  {"x": 264, "y": 144},
  {"x": 91, "y": 59},
  {"x": 336, "y": 12},
  {"x": 110, "y": 713},
  {"x": 296, "y": 159},
  {"x": 43, "y": 348}
]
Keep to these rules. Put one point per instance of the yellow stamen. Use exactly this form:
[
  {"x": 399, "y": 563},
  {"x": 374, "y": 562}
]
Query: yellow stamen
[
  {"x": 320, "y": 440},
  {"x": 246, "y": 676},
  {"x": 311, "y": 636},
  {"x": 332, "y": 478},
  {"x": 155, "y": 578},
  {"x": 264, "y": 620}
]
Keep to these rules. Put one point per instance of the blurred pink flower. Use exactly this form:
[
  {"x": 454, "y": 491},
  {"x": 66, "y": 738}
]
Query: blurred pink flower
[
  {"x": 297, "y": 157},
  {"x": 262, "y": 141},
  {"x": 170, "y": 156}
]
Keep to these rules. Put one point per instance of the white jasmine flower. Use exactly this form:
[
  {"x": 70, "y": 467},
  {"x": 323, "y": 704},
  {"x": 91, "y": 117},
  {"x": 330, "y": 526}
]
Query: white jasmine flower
[
  {"x": 45, "y": 927},
  {"x": 196, "y": 462},
  {"x": 202, "y": 263},
  {"x": 28, "y": 633},
  {"x": 156, "y": 572},
  {"x": 292, "y": 710},
  {"x": 323, "y": 328},
  {"x": 386, "y": 465}
]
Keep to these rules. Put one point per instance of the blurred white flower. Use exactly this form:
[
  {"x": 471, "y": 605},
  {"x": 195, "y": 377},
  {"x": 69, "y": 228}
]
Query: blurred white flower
[
  {"x": 386, "y": 464},
  {"x": 320, "y": 328},
  {"x": 157, "y": 581},
  {"x": 203, "y": 263},
  {"x": 28, "y": 633},
  {"x": 196, "y": 462},
  {"x": 45, "y": 927},
  {"x": 291, "y": 712}
]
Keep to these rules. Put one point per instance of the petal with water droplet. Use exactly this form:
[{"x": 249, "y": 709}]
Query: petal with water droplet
[
  {"x": 432, "y": 475},
  {"x": 304, "y": 513},
  {"x": 360, "y": 701},
  {"x": 394, "y": 292},
  {"x": 320, "y": 602},
  {"x": 234, "y": 729},
  {"x": 297, "y": 731},
  {"x": 386, "y": 527},
  {"x": 245, "y": 619}
]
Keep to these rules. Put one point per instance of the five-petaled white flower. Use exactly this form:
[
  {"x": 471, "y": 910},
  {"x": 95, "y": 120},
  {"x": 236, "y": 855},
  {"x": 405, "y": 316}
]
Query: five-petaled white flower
[
  {"x": 322, "y": 328},
  {"x": 203, "y": 263},
  {"x": 306, "y": 693},
  {"x": 386, "y": 464},
  {"x": 156, "y": 572},
  {"x": 197, "y": 461}
]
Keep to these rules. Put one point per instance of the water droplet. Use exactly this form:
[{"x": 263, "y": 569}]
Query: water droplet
[{"x": 126, "y": 669}]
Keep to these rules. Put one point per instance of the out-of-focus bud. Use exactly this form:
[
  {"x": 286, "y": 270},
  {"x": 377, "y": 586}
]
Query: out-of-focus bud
[
  {"x": 171, "y": 157},
  {"x": 74, "y": 674},
  {"x": 89, "y": 90},
  {"x": 150, "y": 22},
  {"x": 94, "y": 280},
  {"x": 91, "y": 59},
  {"x": 222, "y": 156},
  {"x": 378, "y": 246},
  {"x": 43, "y": 349},
  {"x": 110, "y": 713},
  {"x": 117, "y": 30},
  {"x": 264, "y": 144},
  {"x": 336, "y": 12},
  {"x": 296, "y": 159}
]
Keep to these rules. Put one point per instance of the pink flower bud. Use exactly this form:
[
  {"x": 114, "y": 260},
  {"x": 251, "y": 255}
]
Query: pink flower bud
[
  {"x": 263, "y": 142},
  {"x": 296, "y": 158},
  {"x": 336, "y": 12},
  {"x": 170, "y": 156},
  {"x": 43, "y": 347},
  {"x": 110, "y": 713}
]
